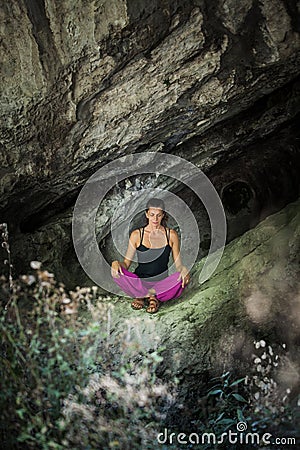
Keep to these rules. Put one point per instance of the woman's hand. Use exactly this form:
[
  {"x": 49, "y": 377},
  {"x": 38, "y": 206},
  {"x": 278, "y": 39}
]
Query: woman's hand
[
  {"x": 184, "y": 276},
  {"x": 116, "y": 269}
]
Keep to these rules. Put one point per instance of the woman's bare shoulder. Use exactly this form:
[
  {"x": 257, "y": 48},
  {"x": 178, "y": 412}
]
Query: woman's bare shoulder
[
  {"x": 135, "y": 234},
  {"x": 173, "y": 234}
]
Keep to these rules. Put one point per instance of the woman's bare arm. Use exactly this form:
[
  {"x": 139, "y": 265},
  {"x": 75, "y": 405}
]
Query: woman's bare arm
[
  {"x": 116, "y": 266},
  {"x": 175, "y": 245},
  {"x": 174, "y": 242}
]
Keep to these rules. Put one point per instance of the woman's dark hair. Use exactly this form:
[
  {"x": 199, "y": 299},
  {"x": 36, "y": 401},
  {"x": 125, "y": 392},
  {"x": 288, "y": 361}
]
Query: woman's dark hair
[{"x": 157, "y": 203}]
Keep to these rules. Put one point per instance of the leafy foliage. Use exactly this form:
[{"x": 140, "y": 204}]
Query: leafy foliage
[
  {"x": 67, "y": 384},
  {"x": 230, "y": 404}
]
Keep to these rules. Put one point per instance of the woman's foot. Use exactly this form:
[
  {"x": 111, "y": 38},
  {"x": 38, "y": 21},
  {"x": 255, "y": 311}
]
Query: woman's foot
[
  {"x": 153, "y": 305},
  {"x": 138, "y": 303}
]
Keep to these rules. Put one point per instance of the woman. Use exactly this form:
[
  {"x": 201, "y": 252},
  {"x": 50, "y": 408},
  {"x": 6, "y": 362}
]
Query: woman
[{"x": 153, "y": 244}]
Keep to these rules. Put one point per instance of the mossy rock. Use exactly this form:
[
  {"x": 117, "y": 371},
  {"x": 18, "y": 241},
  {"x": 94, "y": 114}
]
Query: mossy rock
[{"x": 253, "y": 294}]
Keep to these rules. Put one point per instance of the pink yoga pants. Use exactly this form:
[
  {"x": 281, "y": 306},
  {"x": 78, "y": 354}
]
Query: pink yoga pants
[{"x": 165, "y": 289}]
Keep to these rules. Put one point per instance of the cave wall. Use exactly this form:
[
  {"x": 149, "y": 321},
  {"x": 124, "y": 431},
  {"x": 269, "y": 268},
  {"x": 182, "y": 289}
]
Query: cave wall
[
  {"x": 83, "y": 82},
  {"x": 215, "y": 82}
]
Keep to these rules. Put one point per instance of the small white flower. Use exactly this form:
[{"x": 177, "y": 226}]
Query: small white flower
[
  {"x": 69, "y": 310},
  {"x": 31, "y": 280},
  {"x": 35, "y": 264},
  {"x": 262, "y": 343},
  {"x": 48, "y": 274},
  {"x": 262, "y": 385}
]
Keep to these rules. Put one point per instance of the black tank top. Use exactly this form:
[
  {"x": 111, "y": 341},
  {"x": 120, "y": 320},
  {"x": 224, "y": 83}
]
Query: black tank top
[{"x": 153, "y": 262}]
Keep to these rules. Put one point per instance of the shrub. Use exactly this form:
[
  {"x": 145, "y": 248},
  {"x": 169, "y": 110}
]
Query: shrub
[
  {"x": 67, "y": 383},
  {"x": 255, "y": 404}
]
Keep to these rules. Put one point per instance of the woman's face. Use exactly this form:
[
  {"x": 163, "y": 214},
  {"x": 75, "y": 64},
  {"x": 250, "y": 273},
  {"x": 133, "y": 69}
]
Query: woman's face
[{"x": 155, "y": 216}]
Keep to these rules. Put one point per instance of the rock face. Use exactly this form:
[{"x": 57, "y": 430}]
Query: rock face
[
  {"x": 253, "y": 295},
  {"x": 216, "y": 83}
]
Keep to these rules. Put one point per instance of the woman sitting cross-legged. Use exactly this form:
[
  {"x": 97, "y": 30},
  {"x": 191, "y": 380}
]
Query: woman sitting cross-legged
[{"x": 153, "y": 244}]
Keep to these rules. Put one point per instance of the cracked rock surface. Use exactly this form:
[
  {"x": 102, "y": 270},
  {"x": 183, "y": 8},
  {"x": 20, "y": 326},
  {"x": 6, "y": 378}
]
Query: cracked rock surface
[
  {"x": 82, "y": 84},
  {"x": 216, "y": 83}
]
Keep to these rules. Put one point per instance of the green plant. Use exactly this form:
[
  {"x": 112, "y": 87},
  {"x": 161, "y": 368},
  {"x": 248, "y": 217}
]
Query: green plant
[
  {"x": 7, "y": 261},
  {"x": 230, "y": 405},
  {"x": 68, "y": 382},
  {"x": 257, "y": 400}
]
